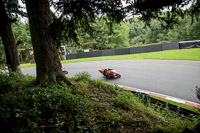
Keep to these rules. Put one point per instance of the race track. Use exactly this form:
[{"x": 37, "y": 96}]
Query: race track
[{"x": 170, "y": 77}]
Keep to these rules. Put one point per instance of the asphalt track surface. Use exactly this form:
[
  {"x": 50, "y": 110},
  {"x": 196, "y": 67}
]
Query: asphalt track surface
[{"x": 175, "y": 78}]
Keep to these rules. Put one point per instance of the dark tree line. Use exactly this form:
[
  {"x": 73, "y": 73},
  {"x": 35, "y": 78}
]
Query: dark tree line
[{"x": 47, "y": 28}]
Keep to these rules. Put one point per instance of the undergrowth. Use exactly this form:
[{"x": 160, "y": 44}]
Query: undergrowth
[{"x": 88, "y": 106}]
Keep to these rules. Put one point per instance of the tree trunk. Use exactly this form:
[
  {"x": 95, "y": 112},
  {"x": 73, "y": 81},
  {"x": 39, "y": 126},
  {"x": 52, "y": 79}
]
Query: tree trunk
[
  {"x": 48, "y": 66},
  {"x": 9, "y": 41}
]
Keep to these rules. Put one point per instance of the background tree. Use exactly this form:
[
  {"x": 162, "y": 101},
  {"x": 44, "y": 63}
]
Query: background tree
[
  {"x": 102, "y": 38},
  {"x": 155, "y": 33},
  {"x": 186, "y": 30},
  {"x": 105, "y": 39},
  {"x": 6, "y": 14},
  {"x": 136, "y": 32},
  {"x": 22, "y": 36},
  {"x": 154, "y": 10}
]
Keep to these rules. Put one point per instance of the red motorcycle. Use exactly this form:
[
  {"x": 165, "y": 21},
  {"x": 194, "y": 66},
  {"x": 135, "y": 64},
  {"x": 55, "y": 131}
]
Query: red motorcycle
[{"x": 110, "y": 73}]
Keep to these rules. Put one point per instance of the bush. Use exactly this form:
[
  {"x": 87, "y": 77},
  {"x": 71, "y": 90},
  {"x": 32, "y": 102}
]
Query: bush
[
  {"x": 85, "y": 76},
  {"x": 105, "y": 86},
  {"x": 13, "y": 81},
  {"x": 125, "y": 100},
  {"x": 51, "y": 108}
]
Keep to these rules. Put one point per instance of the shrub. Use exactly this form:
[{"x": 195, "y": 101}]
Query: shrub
[
  {"x": 13, "y": 81},
  {"x": 105, "y": 86},
  {"x": 125, "y": 100},
  {"x": 41, "y": 109},
  {"x": 85, "y": 76}
]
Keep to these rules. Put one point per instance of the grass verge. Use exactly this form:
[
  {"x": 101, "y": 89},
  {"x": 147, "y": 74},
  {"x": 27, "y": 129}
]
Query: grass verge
[
  {"x": 181, "y": 54},
  {"x": 88, "y": 106}
]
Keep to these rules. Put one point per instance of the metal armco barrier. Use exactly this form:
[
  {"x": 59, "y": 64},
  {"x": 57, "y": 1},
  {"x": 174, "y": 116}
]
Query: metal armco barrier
[{"x": 182, "y": 112}]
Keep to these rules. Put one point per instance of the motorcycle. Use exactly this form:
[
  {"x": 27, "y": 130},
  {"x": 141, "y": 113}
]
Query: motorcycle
[{"x": 110, "y": 73}]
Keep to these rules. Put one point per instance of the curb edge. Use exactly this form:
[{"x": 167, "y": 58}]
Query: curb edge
[{"x": 193, "y": 104}]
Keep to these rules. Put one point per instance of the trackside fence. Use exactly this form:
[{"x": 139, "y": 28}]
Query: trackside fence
[{"x": 135, "y": 50}]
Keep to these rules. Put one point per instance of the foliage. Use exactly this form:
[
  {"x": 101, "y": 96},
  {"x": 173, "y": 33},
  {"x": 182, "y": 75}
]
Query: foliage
[
  {"x": 23, "y": 39},
  {"x": 57, "y": 108},
  {"x": 76, "y": 14},
  {"x": 149, "y": 10},
  {"x": 13, "y": 9},
  {"x": 22, "y": 35},
  {"x": 187, "y": 29},
  {"x": 2, "y": 53},
  {"x": 82, "y": 76},
  {"x": 40, "y": 109},
  {"x": 13, "y": 82},
  {"x": 102, "y": 37},
  {"x": 125, "y": 100}
]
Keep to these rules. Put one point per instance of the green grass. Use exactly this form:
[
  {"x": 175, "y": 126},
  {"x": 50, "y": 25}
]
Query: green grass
[
  {"x": 181, "y": 54},
  {"x": 27, "y": 65}
]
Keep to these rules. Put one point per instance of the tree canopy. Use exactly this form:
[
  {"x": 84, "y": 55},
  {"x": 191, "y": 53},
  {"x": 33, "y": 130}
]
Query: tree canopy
[
  {"x": 70, "y": 15},
  {"x": 149, "y": 9}
]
